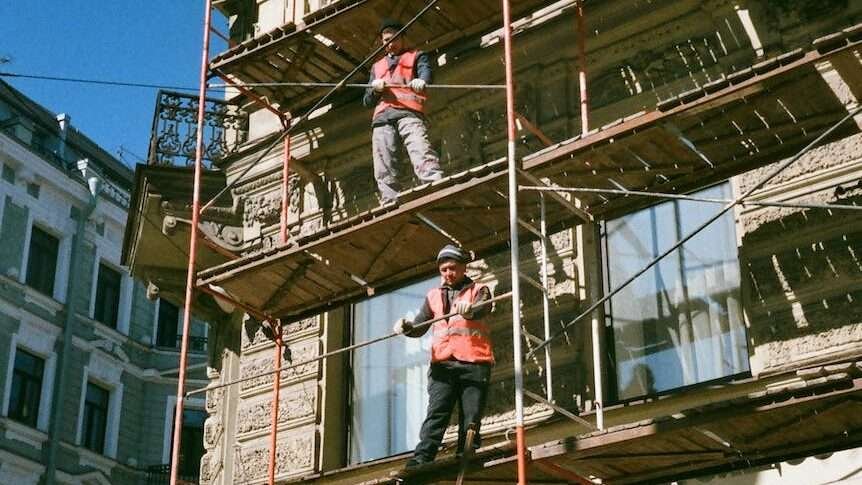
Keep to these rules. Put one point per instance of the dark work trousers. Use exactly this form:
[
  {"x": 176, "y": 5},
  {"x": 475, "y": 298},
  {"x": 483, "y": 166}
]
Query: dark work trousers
[{"x": 449, "y": 383}]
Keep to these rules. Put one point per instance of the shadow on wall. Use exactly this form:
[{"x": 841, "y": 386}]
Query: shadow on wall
[{"x": 801, "y": 273}]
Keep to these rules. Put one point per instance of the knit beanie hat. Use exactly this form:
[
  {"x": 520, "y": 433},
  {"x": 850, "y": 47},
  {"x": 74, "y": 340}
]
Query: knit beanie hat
[{"x": 454, "y": 253}]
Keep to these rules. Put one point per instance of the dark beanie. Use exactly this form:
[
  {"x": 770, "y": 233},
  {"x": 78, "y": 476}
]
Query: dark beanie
[
  {"x": 452, "y": 252},
  {"x": 392, "y": 24}
]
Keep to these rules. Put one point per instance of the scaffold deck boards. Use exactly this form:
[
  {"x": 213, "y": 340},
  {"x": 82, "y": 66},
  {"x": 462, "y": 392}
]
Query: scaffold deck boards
[{"x": 679, "y": 147}]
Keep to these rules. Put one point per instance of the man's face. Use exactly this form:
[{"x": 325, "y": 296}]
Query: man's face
[
  {"x": 397, "y": 44},
  {"x": 451, "y": 271}
]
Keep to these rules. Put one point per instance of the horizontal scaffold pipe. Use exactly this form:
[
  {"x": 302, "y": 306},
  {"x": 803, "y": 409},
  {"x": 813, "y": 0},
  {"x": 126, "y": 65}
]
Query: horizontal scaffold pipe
[
  {"x": 763, "y": 181},
  {"x": 694, "y": 198},
  {"x": 418, "y": 326},
  {"x": 293, "y": 125},
  {"x": 353, "y": 85}
]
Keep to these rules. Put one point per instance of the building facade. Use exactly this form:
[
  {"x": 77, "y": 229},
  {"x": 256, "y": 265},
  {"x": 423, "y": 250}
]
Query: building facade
[
  {"x": 112, "y": 393},
  {"x": 736, "y": 355}
]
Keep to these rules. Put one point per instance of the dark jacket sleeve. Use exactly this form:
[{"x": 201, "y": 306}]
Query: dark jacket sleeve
[
  {"x": 371, "y": 98},
  {"x": 423, "y": 67},
  {"x": 483, "y": 311},
  {"x": 425, "y": 314}
]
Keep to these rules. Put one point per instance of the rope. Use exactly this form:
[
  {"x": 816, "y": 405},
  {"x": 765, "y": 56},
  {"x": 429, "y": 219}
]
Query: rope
[{"x": 418, "y": 326}]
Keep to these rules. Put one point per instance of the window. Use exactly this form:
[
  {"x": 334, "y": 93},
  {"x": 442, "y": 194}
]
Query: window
[
  {"x": 95, "y": 418},
  {"x": 26, "y": 391},
  {"x": 388, "y": 393},
  {"x": 107, "y": 295},
  {"x": 191, "y": 442},
  {"x": 680, "y": 322},
  {"x": 42, "y": 262},
  {"x": 169, "y": 316},
  {"x": 8, "y": 174}
]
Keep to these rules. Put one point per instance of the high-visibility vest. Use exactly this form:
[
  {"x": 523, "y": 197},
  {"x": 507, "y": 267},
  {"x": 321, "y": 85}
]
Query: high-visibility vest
[
  {"x": 402, "y": 74},
  {"x": 459, "y": 338}
]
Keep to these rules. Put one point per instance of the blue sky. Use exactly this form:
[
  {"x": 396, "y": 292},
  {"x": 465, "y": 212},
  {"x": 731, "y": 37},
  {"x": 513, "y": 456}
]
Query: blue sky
[{"x": 149, "y": 41}]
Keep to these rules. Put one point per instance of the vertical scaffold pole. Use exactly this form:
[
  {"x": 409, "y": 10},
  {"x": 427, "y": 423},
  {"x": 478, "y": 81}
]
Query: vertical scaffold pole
[
  {"x": 276, "y": 389},
  {"x": 546, "y": 304},
  {"x": 596, "y": 332},
  {"x": 285, "y": 196},
  {"x": 513, "y": 241},
  {"x": 193, "y": 240}
]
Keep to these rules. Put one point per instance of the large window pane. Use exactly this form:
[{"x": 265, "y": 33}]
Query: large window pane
[
  {"x": 107, "y": 295},
  {"x": 390, "y": 378},
  {"x": 42, "y": 262},
  {"x": 26, "y": 391},
  {"x": 680, "y": 322},
  {"x": 95, "y": 418}
]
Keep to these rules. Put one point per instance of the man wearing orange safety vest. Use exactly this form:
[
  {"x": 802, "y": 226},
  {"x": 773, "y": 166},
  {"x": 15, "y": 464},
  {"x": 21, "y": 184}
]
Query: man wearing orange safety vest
[
  {"x": 461, "y": 353},
  {"x": 397, "y": 93}
]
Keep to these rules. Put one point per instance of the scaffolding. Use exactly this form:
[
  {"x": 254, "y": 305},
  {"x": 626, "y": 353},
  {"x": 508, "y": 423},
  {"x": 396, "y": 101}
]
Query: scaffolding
[{"x": 627, "y": 134}]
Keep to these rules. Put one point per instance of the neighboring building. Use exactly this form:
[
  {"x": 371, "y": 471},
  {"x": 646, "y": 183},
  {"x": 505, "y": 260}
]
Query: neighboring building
[
  {"x": 116, "y": 408},
  {"x": 741, "y": 351}
]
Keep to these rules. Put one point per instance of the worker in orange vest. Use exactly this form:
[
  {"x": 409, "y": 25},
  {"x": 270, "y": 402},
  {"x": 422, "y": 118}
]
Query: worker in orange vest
[
  {"x": 461, "y": 353},
  {"x": 397, "y": 93}
]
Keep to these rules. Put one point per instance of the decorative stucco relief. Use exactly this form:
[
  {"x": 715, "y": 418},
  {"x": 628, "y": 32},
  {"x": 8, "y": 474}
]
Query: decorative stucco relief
[
  {"x": 300, "y": 351},
  {"x": 295, "y": 403},
  {"x": 294, "y": 456}
]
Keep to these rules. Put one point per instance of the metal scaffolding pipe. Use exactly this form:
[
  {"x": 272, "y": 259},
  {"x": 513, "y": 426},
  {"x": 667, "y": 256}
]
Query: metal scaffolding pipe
[
  {"x": 342, "y": 350},
  {"x": 353, "y": 85},
  {"x": 276, "y": 389},
  {"x": 517, "y": 356},
  {"x": 546, "y": 304},
  {"x": 193, "y": 239},
  {"x": 711, "y": 200},
  {"x": 288, "y": 129},
  {"x": 285, "y": 196},
  {"x": 738, "y": 200}
]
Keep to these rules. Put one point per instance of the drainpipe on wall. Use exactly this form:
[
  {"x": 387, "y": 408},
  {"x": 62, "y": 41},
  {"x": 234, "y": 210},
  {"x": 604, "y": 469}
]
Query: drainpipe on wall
[{"x": 72, "y": 290}]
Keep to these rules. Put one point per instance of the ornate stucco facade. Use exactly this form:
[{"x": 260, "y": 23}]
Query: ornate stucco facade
[{"x": 798, "y": 268}]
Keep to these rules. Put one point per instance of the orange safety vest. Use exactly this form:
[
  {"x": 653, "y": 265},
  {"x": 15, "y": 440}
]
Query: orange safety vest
[
  {"x": 402, "y": 74},
  {"x": 464, "y": 340}
]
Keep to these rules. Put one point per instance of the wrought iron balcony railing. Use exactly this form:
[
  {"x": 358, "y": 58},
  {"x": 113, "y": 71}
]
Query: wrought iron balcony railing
[
  {"x": 161, "y": 475},
  {"x": 174, "y": 132}
]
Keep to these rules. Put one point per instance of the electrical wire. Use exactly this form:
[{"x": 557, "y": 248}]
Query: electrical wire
[{"x": 99, "y": 82}]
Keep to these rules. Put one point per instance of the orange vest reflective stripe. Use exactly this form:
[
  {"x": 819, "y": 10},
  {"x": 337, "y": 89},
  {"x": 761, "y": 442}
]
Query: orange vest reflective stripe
[
  {"x": 458, "y": 338},
  {"x": 402, "y": 74}
]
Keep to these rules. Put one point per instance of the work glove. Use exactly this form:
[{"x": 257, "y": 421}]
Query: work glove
[
  {"x": 417, "y": 85},
  {"x": 400, "y": 326},
  {"x": 464, "y": 308},
  {"x": 377, "y": 85}
]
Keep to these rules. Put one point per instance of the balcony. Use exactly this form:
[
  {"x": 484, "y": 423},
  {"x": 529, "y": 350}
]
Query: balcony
[
  {"x": 174, "y": 133},
  {"x": 161, "y": 475}
]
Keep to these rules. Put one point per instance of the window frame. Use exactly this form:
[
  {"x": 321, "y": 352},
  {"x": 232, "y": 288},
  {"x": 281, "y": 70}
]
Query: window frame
[
  {"x": 34, "y": 227},
  {"x": 85, "y": 418},
  {"x": 612, "y": 394},
  {"x": 99, "y": 307},
  {"x": 29, "y": 379},
  {"x": 36, "y": 337}
]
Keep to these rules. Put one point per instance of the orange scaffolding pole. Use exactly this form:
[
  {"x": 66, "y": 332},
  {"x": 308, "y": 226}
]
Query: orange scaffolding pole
[
  {"x": 193, "y": 240},
  {"x": 276, "y": 390},
  {"x": 513, "y": 244}
]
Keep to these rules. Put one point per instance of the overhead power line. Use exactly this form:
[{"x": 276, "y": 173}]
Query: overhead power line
[{"x": 99, "y": 82}]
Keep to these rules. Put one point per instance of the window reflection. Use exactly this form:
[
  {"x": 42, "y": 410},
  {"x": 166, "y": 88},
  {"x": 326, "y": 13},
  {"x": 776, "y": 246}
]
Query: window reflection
[
  {"x": 680, "y": 322},
  {"x": 389, "y": 378}
]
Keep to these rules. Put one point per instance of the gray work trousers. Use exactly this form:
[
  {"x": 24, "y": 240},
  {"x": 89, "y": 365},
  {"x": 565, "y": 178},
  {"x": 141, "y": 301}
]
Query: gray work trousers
[{"x": 384, "y": 145}]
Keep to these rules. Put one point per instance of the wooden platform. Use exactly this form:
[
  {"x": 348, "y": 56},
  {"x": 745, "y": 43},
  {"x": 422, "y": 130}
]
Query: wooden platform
[
  {"x": 338, "y": 37},
  {"x": 749, "y": 119}
]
